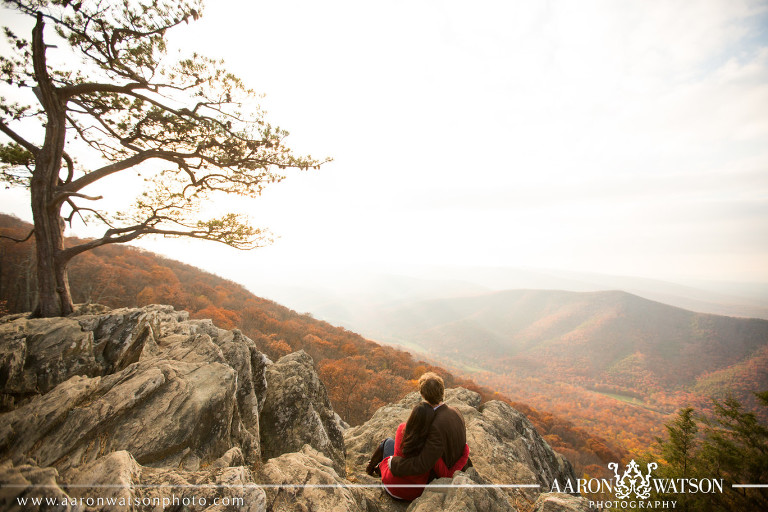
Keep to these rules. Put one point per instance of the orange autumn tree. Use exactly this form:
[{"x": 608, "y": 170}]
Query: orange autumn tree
[{"x": 188, "y": 128}]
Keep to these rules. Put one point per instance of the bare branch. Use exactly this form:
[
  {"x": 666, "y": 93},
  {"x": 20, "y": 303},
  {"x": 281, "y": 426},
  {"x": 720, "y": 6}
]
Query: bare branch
[
  {"x": 83, "y": 196},
  {"x": 108, "y": 238},
  {"x": 47, "y": 95},
  {"x": 72, "y": 91},
  {"x": 67, "y": 196},
  {"x": 96, "y": 214},
  {"x": 107, "y": 170},
  {"x": 18, "y": 139},
  {"x": 75, "y": 210},
  {"x": 70, "y": 167},
  {"x": 123, "y": 235},
  {"x": 20, "y": 240}
]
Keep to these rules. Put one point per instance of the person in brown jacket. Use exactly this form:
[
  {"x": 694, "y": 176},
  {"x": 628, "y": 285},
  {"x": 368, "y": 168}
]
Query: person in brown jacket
[{"x": 447, "y": 435}]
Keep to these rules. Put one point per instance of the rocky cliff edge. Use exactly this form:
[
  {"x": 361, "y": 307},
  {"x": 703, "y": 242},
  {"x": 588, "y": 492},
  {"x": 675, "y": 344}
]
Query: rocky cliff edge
[{"x": 146, "y": 409}]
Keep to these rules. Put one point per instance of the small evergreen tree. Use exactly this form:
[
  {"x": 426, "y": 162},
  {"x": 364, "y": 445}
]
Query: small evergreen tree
[
  {"x": 735, "y": 448},
  {"x": 680, "y": 453}
]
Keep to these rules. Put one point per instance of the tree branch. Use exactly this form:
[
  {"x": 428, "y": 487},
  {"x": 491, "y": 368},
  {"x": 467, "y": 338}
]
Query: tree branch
[
  {"x": 126, "y": 163},
  {"x": 47, "y": 94},
  {"x": 134, "y": 232},
  {"x": 20, "y": 240},
  {"x": 18, "y": 139},
  {"x": 60, "y": 197},
  {"x": 70, "y": 167},
  {"x": 69, "y": 253},
  {"x": 71, "y": 91}
]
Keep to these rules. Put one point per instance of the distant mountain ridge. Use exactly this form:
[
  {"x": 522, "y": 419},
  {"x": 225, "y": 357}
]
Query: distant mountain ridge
[
  {"x": 346, "y": 297},
  {"x": 596, "y": 338}
]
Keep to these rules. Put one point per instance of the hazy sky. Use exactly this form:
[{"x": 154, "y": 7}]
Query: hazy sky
[{"x": 618, "y": 137}]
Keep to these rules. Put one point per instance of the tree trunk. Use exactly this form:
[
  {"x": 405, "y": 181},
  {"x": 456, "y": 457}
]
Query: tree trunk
[
  {"x": 30, "y": 277},
  {"x": 54, "y": 297},
  {"x": 53, "y": 289},
  {"x": 52, "y": 286}
]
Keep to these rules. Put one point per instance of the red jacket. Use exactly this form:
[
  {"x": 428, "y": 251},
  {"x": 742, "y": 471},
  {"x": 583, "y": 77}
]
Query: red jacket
[{"x": 411, "y": 493}]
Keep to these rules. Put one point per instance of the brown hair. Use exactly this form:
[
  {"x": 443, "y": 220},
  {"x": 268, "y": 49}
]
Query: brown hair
[
  {"x": 416, "y": 429},
  {"x": 432, "y": 388}
]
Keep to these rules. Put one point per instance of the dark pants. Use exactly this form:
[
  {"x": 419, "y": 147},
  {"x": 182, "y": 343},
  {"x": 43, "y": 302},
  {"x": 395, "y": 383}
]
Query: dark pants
[{"x": 389, "y": 447}]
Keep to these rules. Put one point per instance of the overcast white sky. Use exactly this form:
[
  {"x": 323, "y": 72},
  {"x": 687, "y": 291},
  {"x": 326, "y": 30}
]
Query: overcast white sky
[{"x": 617, "y": 137}]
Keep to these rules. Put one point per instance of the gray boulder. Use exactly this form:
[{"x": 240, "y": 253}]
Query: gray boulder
[
  {"x": 119, "y": 478},
  {"x": 172, "y": 391},
  {"x": 166, "y": 413},
  {"x": 462, "y": 492},
  {"x": 122, "y": 335},
  {"x": 199, "y": 342},
  {"x": 307, "y": 480},
  {"x": 297, "y": 412},
  {"x": 39, "y": 353},
  {"x": 559, "y": 502},
  {"x": 21, "y": 485},
  {"x": 507, "y": 449}
]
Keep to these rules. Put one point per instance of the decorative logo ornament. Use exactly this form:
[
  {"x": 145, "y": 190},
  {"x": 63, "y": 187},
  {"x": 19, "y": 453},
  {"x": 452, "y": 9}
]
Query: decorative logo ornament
[{"x": 633, "y": 481}]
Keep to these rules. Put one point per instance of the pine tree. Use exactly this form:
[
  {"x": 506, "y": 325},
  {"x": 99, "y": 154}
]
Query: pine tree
[
  {"x": 109, "y": 100},
  {"x": 680, "y": 453},
  {"x": 735, "y": 448}
]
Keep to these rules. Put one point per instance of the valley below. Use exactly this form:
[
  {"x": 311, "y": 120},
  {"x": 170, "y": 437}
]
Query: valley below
[{"x": 613, "y": 363}]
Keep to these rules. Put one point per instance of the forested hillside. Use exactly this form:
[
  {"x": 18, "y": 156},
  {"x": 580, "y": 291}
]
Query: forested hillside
[
  {"x": 360, "y": 375},
  {"x": 611, "y": 339},
  {"x": 611, "y": 361}
]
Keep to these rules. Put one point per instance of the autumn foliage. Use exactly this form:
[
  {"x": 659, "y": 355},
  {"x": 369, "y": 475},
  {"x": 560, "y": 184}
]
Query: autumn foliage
[{"x": 360, "y": 375}]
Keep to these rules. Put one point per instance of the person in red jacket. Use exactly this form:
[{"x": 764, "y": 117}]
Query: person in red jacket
[
  {"x": 447, "y": 434},
  {"x": 409, "y": 441},
  {"x": 433, "y": 433}
]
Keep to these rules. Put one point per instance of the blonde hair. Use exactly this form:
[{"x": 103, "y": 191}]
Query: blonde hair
[{"x": 432, "y": 388}]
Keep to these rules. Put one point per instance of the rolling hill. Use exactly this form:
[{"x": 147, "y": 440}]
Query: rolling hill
[
  {"x": 612, "y": 362},
  {"x": 350, "y": 296},
  {"x": 609, "y": 338}
]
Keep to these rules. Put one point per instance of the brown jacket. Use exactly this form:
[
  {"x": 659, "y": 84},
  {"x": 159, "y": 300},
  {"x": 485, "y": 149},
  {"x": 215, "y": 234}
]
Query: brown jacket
[{"x": 447, "y": 437}]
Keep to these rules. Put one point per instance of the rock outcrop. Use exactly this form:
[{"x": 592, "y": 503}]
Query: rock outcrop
[
  {"x": 461, "y": 493},
  {"x": 155, "y": 384},
  {"x": 141, "y": 406},
  {"x": 28, "y": 482},
  {"x": 38, "y": 354},
  {"x": 307, "y": 480},
  {"x": 165, "y": 413},
  {"x": 297, "y": 412},
  {"x": 559, "y": 502},
  {"x": 231, "y": 488}
]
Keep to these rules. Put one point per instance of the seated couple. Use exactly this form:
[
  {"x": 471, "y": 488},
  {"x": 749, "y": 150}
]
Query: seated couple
[{"x": 431, "y": 444}]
